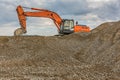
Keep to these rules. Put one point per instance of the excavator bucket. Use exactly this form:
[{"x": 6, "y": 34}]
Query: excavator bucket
[{"x": 19, "y": 32}]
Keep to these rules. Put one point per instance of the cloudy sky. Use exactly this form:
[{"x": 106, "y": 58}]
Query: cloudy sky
[{"x": 87, "y": 12}]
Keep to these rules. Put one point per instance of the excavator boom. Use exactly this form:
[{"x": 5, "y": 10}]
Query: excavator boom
[{"x": 46, "y": 14}]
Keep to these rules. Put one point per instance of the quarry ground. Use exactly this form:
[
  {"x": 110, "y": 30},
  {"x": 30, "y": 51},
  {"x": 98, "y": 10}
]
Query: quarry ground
[{"x": 78, "y": 56}]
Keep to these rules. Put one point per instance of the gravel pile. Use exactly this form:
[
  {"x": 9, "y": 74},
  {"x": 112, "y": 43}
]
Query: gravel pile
[{"x": 78, "y": 56}]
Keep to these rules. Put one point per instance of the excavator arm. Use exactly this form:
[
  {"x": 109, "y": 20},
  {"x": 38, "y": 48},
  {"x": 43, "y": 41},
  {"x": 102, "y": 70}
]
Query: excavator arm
[{"x": 37, "y": 13}]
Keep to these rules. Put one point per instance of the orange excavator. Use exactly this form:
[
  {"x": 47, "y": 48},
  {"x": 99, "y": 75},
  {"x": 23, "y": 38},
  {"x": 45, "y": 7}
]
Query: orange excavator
[{"x": 64, "y": 26}]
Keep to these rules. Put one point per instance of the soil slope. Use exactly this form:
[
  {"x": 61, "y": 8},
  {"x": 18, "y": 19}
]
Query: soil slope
[{"x": 79, "y": 56}]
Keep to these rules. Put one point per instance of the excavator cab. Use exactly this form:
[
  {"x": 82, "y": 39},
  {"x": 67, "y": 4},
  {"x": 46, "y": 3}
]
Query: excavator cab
[{"x": 67, "y": 26}]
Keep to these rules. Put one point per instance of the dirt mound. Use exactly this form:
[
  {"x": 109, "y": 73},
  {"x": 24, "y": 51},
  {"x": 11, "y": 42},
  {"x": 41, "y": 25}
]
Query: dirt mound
[{"x": 79, "y": 56}]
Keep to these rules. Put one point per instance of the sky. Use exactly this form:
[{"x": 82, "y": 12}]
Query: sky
[{"x": 87, "y": 12}]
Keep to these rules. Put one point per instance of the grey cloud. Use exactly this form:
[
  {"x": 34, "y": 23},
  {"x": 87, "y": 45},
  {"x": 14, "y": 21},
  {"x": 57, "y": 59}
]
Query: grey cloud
[
  {"x": 8, "y": 9},
  {"x": 109, "y": 11},
  {"x": 75, "y": 7},
  {"x": 8, "y": 13}
]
